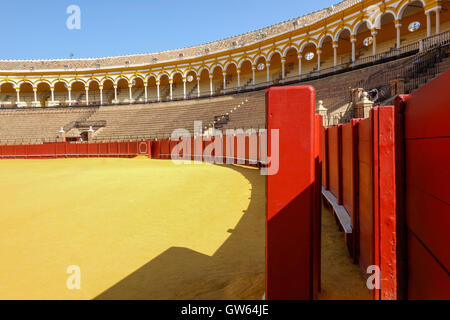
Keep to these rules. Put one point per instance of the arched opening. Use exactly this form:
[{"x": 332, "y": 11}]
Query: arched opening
[
  {"x": 444, "y": 16},
  {"x": 261, "y": 70},
  {"x": 78, "y": 93},
  {"x": 275, "y": 73},
  {"x": 138, "y": 92},
  {"x": 151, "y": 89},
  {"x": 327, "y": 54},
  {"x": 164, "y": 87},
  {"x": 387, "y": 33},
  {"x": 8, "y": 95},
  {"x": 108, "y": 91},
  {"x": 191, "y": 84},
  {"x": 94, "y": 93},
  {"x": 231, "y": 77},
  {"x": 43, "y": 95},
  {"x": 246, "y": 75},
  {"x": 217, "y": 80},
  {"x": 177, "y": 86},
  {"x": 309, "y": 60},
  {"x": 61, "y": 93},
  {"x": 364, "y": 41},
  {"x": 204, "y": 83},
  {"x": 291, "y": 64},
  {"x": 26, "y": 95},
  {"x": 123, "y": 91},
  {"x": 412, "y": 13},
  {"x": 344, "y": 48}
]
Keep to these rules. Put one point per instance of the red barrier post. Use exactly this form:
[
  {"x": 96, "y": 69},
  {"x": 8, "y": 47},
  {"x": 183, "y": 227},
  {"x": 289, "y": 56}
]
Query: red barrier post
[
  {"x": 317, "y": 217},
  {"x": 290, "y": 193}
]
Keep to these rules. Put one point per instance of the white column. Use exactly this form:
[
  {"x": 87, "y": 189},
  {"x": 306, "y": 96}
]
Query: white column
[
  {"x": 115, "y": 94},
  {"x": 101, "y": 94},
  {"x": 184, "y": 88},
  {"x": 283, "y": 70},
  {"x": 130, "y": 86},
  {"x": 198, "y": 86},
  {"x": 253, "y": 75},
  {"x": 239, "y": 79},
  {"x": 438, "y": 20},
  {"x": 145, "y": 92},
  {"x": 428, "y": 14},
  {"x": 398, "y": 27},
  {"x": 318, "y": 58},
  {"x": 87, "y": 95},
  {"x": 374, "y": 44},
  {"x": 224, "y": 81},
  {"x": 353, "y": 41},
  {"x": 52, "y": 90},
  {"x": 171, "y": 88},
  {"x": 210, "y": 85},
  {"x": 69, "y": 91},
  {"x": 35, "y": 96},
  {"x": 300, "y": 65},
  {"x": 335, "y": 46},
  {"x": 268, "y": 71},
  {"x": 18, "y": 96},
  {"x": 157, "y": 90}
]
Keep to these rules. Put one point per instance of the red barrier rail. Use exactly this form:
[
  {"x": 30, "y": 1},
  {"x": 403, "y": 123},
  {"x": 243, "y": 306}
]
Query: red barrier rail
[
  {"x": 363, "y": 192},
  {"x": 75, "y": 150}
]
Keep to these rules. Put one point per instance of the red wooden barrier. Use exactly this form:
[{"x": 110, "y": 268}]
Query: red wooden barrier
[
  {"x": 290, "y": 194},
  {"x": 349, "y": 170},
  {"x": 70, "y": 150},
  {"x": 156, "y": 149},
  {"x": 365, "y": 165},
  {"x": 365, "y": 205},
  {"x": 325, "y": 167},
  {"x": 427, "y": 175},
  {"x": 335, "y": 161},
  {"x": 317, "y": 217}
]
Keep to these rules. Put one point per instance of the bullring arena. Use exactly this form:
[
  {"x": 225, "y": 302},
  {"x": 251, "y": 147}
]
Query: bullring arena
[{"x": 355, "y": 99}]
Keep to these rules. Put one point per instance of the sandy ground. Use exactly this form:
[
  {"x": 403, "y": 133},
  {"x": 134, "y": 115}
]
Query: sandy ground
[
  {"x": 144, "y": 229},
  {"x": 341, "y": 279},
  {"x": 137, "y": 229}
]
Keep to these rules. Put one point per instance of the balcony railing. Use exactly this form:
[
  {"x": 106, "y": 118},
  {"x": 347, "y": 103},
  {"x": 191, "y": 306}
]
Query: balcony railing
[{"x": 424, "y": 45}]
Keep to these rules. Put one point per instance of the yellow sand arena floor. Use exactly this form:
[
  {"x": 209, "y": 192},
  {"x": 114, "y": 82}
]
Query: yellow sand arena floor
[{"x": 137, "y": 229}]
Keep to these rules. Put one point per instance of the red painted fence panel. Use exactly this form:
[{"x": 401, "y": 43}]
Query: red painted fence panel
[
  {"x": 350, "y": 170},
  {"x": 290, "y": 194},
  {"x": 70, "y": 150},
  {"x": 325, "y": 167},
  {"x": 427, "y": 153},
  {"x": 335, "y": 161}
]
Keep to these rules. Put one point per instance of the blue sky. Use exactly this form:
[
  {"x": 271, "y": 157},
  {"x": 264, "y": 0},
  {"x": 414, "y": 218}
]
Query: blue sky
[{"x": 36, "y": 29}]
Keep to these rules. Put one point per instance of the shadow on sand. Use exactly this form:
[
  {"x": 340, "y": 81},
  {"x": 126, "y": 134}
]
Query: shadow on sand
[{"x": 235, "y": 271}]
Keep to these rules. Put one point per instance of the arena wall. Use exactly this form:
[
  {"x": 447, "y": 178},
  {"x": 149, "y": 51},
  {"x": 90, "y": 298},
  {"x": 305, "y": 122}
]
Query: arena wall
[{"x": 398, "y": 185}]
